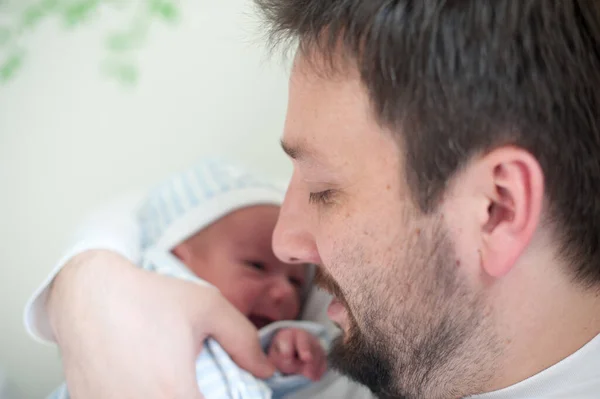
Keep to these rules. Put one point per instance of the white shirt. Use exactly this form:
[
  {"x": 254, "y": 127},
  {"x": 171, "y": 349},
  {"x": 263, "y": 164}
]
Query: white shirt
[{"x": 115, "y": 228}]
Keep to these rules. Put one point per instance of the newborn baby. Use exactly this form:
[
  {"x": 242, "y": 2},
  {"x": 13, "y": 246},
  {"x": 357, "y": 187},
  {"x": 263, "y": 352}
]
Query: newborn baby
[{"x": 213, "y": 225}]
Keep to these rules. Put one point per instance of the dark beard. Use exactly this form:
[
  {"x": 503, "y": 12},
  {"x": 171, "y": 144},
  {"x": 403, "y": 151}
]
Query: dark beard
[
  {"x": 364, "y": 363},
  {"x": 431, "y": 344},
  {"x": 354, "y": 355}
]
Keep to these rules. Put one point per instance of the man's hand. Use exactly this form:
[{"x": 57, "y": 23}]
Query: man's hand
[
  {"x": 295, "y": 351},
  {"x": 127, "y": 333}
]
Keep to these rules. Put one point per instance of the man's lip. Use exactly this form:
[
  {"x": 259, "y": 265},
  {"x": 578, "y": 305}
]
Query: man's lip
[{"x": 336, "y": 310}]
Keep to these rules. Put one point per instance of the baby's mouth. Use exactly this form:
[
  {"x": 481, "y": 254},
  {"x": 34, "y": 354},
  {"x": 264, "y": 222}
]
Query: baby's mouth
[{"x": 260, "y": 321}]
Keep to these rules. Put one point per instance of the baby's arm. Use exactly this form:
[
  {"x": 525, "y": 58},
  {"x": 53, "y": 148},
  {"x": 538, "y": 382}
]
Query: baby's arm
[{"x": 296, "y": 351}]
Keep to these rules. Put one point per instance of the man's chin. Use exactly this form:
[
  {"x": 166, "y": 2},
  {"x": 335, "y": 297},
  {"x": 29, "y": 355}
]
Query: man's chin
[
  {"x": 362, "y": 363},
  {"x": 353, "y": 355}
]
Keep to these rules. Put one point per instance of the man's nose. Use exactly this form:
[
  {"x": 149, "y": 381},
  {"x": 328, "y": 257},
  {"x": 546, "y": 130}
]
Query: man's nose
[{"x": 293, "y": 238}]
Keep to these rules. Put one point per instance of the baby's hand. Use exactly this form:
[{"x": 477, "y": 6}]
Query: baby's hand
[{"x": 295, "y": 351}]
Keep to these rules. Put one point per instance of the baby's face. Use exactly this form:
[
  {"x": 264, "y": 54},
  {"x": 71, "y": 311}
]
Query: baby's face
[{"x": 235, "y": 255}]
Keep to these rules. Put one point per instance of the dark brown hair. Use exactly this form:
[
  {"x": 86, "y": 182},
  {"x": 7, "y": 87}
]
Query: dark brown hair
[{"x": 460, "y": 77}]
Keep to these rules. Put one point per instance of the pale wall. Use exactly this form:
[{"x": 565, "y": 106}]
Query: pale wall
[{"x": 72, "y": 138}]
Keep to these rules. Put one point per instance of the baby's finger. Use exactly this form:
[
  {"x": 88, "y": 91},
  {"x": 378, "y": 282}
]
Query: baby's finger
[
  {"x": 277, "y": 359},
  {"x": 305, "y": 345},
  {"x": 312, "y": 370},
  {"x": 321, "y": 364},
  {"x": 318, "y": 366},
  {"x": 286, "y": 364},
  {"x": 283, "y": 343}
]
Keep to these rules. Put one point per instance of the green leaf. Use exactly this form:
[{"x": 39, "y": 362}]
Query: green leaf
[
  {"x": 32, "y": 15},
  {"x": 11, "y": 67},
  {"x": 50, "y": 5},
  {"x": 79, "y": 12},
  {"x": 165, "y": 9},
  {"x": 125, "y": 73},
  {"x": 5, "y": 36},
  {"x": 120, "y": 42}
]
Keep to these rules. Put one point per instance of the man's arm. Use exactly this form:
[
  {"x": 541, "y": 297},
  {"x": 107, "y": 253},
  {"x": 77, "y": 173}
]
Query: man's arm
[
  {"x": 113, "y": 228},
  {"x": 125, "y": 332}
]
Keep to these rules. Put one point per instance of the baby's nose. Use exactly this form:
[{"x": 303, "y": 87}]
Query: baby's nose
[
  {"x": 283, "y": 296},
  {"x": 282, "y": 289}
]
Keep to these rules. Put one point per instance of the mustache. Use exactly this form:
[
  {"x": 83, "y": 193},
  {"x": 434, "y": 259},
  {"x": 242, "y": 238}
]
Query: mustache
[{"x": 326, "y": 282}]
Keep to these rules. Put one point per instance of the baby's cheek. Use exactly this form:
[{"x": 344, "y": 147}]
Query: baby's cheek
[
  {"x": 242, "y": 296},
  {"x": 292, "y": 311}
]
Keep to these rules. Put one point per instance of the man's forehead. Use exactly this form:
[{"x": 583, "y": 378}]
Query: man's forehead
[
  {"x": 312, "y": 155},
  {"x": 326, "y": 118},
  {"x": 299, "y": 150}
]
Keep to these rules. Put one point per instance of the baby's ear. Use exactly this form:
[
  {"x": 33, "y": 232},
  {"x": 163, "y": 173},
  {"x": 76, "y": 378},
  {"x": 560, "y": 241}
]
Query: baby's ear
[{"x": 183, "y": 252}]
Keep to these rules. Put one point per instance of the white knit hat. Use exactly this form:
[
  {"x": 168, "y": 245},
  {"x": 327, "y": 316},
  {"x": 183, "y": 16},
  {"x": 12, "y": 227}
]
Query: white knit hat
[{"x": 190, "y": 201}]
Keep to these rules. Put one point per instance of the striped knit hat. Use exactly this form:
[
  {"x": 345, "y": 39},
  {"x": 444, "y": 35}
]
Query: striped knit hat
[{"x": 190, "y": 201}]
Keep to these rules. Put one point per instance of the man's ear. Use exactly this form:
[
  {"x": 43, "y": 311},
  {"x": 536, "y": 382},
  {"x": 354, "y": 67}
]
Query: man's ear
[{"x": 513, "y": 188}]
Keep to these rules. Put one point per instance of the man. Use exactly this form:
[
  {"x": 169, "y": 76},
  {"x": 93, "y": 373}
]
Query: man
[{"x": 446, "y": 178}]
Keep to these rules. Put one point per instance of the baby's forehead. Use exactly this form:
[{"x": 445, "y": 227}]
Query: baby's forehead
[{"x": 247, "y": 224}]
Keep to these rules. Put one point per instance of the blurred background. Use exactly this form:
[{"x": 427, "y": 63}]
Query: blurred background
[{"x": 101, "y": 96}]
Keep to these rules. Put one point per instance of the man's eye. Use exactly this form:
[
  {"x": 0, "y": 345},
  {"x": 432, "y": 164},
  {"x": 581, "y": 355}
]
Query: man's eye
[
  {"x": 256, "y": 265},
  {"x": 322, "y": 197}
]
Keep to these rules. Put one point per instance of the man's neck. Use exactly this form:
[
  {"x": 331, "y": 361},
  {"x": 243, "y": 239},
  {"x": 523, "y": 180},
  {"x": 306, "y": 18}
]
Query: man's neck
[{"x": 546, "y": 318}]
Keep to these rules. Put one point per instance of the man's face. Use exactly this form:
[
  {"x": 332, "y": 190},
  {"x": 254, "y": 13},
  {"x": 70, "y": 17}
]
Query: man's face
[{"x": 412, "y": 325}]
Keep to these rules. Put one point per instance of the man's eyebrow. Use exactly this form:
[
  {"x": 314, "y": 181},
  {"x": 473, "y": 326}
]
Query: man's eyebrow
[{"x": 296, "y": 152}]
